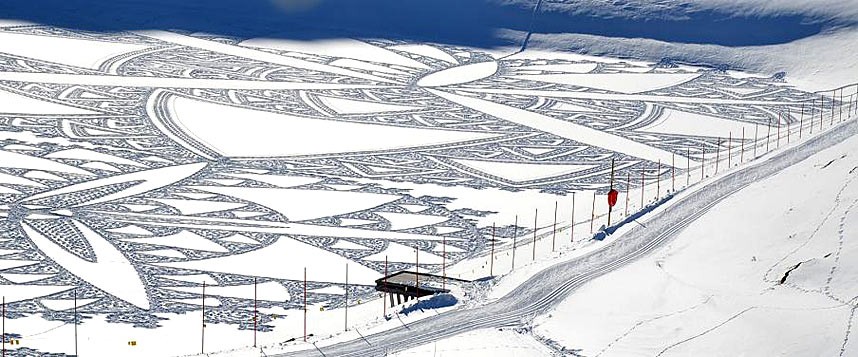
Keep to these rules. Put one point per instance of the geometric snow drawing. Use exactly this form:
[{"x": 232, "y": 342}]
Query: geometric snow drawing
[
  {"x": 628, "y": 83},
  {"x": 138, "y": 166},
  {"x": 240, "y": 132},
  {"x": 677, "y": 122},
  {"x": 89, "y": 54}
]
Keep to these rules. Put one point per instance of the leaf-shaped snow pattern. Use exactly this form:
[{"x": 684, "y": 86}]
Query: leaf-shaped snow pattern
[
  {"x": 111, "y": 271},
  {"x": 144, "y": 181}
]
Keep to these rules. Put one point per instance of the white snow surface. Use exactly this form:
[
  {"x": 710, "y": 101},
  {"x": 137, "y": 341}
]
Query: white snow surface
[{"x": 768, "y": 272}]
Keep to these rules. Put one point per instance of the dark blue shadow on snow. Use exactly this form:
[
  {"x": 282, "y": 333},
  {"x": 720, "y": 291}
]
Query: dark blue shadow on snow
[
  {"x": 435, "y": 302},
  {"x": 604, "y": 233},
  {"x": 463, "y": 22}
]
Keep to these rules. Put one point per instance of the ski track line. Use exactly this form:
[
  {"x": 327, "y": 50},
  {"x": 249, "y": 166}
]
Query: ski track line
[
  {"x": 551, "y": 286},
  {"x": 713, "y": 328},
  {"x": 646, "y": 321}
]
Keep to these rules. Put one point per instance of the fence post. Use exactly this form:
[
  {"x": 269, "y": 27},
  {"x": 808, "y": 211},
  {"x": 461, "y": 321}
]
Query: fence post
[
  {"x": 801, "y": 121},
  {"x": 687, "y": 167},
  {"x": 255, "y": 306},
  {"x": 346, "y": 324},
  {"x": 514, "y": 240},
  {"x": 305, "y": 304},
  {"x": 742, "y": 153},
  {"x": 717, "y": 155},
  {"x": 658, "y": 181},
  {"x": 778, "y": 142},
  {"x": 729, "y": 149},
  {"x": 673, "y": 172},
  {"x": 554, "y": 229},
  {"x": 535, "y": 215},
  {"x": 74, "y": 292},
  {"x": 572, "y": 228},
  {"x": 492, "y": 258},
  {"x": 203, "y": 334}
]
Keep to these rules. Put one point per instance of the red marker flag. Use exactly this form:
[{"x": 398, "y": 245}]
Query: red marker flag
[{"x": 612, "y": 197}]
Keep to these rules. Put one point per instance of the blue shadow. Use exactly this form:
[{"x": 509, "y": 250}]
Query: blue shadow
[
  {"x": 461, "y": 22},
  {"x": 435, "y": 302},
  {"x": 601, "y": 235}
]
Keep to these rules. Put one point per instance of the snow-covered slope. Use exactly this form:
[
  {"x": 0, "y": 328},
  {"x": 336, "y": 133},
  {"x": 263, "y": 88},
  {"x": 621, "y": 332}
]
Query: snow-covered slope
[
  {"x": 770, "y": 271},
  {"x": 157, "y": 156}
]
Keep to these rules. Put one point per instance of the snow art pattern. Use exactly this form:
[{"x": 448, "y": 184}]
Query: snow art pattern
[{"x": 148, "y": 163}]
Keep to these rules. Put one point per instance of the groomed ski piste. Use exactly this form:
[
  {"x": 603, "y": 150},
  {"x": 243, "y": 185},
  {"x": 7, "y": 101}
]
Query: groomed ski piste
[{"x": 173, "y": 193}]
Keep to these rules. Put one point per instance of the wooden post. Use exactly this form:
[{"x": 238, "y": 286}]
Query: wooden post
[
  {"x": 788, "y": 117},
  {"x": 840, "y": 107},
  {"x": 535, "y": 215},
  {"x": 492, "y": 262},
  {"x": 717, "y": 156},
  {"x": 255, "y": 312},
  {"x": 769, "y": 135},
  {"x": 384, "y": 294},
  {"x": 742, "y": 153},
  {"x": 593, "y": 213},
  {"x": 729, "y": 149},
  {"x": 305, "y": 304},
  {"x": 572, "y": 228},
  {"x": 821, "y": 110},
  {"x": 642, "y": 189},
  {"x": 203, "y": 334},
  {"x": 444, "y": 256},
  {"x": 658, "y": 181},
  {"x": 833, "y": 98},
  {"x": 417, "y": 271},
  {"x": 812, "y": 114},
  {"x": 673, "y": 172},
  {"x": 702, "y": 161},
  {"x": 74, "y": 293},
  {"x": 514, "y": 239},
  {"x": 801, "y": 121},
  {"x": 778, "y": 141},
  {"x": 687, "y": 167},
  {"x": 610, "y": 208},
  {"x": 856, "y": 102},
  {"x": 346, "y": 324},
  {"x": 554, "y": 229}
]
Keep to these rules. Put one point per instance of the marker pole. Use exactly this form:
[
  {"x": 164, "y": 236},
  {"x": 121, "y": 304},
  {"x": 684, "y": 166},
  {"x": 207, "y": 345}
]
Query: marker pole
[
  {"x": 514, "y": 239},
  {"x": 492, "y": 261},
  {"x": 305, "y": 304},
  {"x": 554, "y": 229},
  {"x": 203, "y": 334},
  {"x": 572, "y": 228},
  {"x": 346, "y": 328},
  {"x": 535, "y": 215},
  {"x": 74, "y": 293}
]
